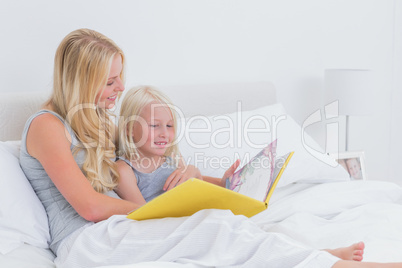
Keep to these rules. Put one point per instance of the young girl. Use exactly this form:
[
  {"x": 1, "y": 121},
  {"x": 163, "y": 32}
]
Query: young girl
[
  {"x": 148, "y": 151},
  {"x": 67, "y": 154}
]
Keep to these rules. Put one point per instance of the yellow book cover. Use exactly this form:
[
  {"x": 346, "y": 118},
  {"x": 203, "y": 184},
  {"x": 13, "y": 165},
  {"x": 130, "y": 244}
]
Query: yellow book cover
[{"x": 242, "y": 195}]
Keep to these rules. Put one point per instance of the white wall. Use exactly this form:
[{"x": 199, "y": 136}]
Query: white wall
[
  {"x": 396, "y": 108},
  {"x": 289, "y": 42}
]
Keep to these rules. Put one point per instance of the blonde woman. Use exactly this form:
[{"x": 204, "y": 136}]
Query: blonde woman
[
  {"x": 68, "y": 153},
  {"x": 68, "y": 147}
]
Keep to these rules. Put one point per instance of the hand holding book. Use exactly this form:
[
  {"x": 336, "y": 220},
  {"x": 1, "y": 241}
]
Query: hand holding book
[
  {"x": 259, "y": 176},
  {"x": 247, "y": 191}
]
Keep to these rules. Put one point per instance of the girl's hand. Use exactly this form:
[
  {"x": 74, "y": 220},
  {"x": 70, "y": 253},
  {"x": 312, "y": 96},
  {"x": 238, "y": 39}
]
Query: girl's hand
[
  {"x": 228, "y": 173},
  {"x": 180, "y": 175}
]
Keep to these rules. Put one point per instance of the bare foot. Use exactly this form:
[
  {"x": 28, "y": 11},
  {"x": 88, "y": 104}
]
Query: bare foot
[{"x": 351, "y": 253}]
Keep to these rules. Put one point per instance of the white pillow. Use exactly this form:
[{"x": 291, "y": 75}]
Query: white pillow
[
  {"x": 213, "y": 143},
  {"x": 23, "y": 218}
]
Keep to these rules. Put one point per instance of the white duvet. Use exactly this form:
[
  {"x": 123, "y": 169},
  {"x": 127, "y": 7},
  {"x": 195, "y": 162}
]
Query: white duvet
[
  {"x": 337, "y": 214},
  {"x": 319, "y": 216}
]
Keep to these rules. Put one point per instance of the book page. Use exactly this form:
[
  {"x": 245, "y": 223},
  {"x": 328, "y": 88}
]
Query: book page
[{"x": 255, "y": 178}]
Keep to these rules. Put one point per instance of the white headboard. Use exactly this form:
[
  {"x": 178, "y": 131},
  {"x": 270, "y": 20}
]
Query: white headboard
[
  {"x": 210, "y": 99},
  {"x": 15, "y": 108}
]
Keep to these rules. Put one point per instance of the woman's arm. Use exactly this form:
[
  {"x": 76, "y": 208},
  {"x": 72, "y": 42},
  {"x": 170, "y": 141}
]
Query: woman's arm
[
  {"x": 49, "y": 142},
  {"x": 127, "y": 188}
]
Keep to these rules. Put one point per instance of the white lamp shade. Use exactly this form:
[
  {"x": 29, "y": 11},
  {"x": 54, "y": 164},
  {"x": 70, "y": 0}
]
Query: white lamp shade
[{"x": 353, "y": 88}]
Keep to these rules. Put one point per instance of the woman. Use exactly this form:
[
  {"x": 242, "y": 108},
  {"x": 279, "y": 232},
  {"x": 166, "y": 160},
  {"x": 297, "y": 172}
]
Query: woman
[{"x": 68, "y": 154}]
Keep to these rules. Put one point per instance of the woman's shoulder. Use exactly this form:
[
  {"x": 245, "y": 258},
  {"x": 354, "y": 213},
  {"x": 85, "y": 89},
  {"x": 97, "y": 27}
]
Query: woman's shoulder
[
  {"x": 46, "y": 120},
  {"x": 46, "y": 116},
  {"x": 46, "y": 129}
]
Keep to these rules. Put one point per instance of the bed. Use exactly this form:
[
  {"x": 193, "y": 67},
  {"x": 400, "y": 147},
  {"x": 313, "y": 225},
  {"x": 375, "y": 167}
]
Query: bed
[{"x": 315, "y": 202}]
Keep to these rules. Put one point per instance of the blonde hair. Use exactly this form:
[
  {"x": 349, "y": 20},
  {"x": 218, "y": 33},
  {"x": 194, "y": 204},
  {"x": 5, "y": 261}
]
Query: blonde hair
[
  {"x": 132, "y": 105},
  {"x": 81, "y": 69}
]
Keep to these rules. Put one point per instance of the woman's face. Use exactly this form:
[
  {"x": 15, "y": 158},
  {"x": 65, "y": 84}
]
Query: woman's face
[{"x": 107, "y": 96}]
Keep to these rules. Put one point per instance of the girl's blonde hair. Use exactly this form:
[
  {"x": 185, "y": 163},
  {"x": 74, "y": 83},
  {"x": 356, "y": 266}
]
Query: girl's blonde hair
[
  {"x": 81, "y": 69},
  {"x": 132, "y": 105}
]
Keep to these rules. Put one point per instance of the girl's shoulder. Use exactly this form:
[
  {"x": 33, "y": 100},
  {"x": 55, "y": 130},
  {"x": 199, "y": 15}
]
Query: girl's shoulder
[
  {"x": 124, "y": 168},
  {"x": 121, "y": 161}
]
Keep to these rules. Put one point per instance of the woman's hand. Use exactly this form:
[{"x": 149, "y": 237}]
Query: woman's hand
[{"x": 180, "y": 175}]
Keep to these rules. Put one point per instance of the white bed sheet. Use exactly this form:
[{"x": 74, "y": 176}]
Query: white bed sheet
[
  {"x": 321, "y": 216},
  {"x": 28, "y": 256},
  {"x": 338, "y": 214}
]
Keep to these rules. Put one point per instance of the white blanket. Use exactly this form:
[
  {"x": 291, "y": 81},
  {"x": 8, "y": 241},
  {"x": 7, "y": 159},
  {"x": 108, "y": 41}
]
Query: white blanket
[
  {"x": 337, "y": 214},
  {"x": 209, "y": 238},
  {"x": 321, "y": 216}
]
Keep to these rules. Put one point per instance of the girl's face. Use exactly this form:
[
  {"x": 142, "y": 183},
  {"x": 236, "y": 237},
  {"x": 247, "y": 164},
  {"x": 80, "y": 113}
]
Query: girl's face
[
  {"x": 154, "y": 132},
  {"x": 353, "y": 166},
  {"x": 107, "y": 96}
]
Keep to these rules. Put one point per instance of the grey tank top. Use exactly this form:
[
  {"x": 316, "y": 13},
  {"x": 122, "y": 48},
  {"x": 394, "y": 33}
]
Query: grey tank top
[
  {"x": 63, "y": 219},
  {"x": 151, "y": 184}
]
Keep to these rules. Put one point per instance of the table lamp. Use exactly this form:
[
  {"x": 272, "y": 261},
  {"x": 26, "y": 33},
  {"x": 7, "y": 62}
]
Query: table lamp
[{"x": 353, "y": 89}]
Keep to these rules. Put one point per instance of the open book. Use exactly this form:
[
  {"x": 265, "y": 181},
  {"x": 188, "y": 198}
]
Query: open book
[{"x": 247, "y": 191}]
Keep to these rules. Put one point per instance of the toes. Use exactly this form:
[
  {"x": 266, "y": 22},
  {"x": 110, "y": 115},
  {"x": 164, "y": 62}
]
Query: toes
[
  {"x": 358, "y": 252},
  {"x": 357, "y": 255},
  {"x": 360, "y": 245}
]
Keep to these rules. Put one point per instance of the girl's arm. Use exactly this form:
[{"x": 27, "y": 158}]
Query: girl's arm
[
  {"x": 180, "y": 175},
  {"x": 127, "y": 188},
  {"x": 49, "y": 142},
  {"x": 183, "y": 173}
]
